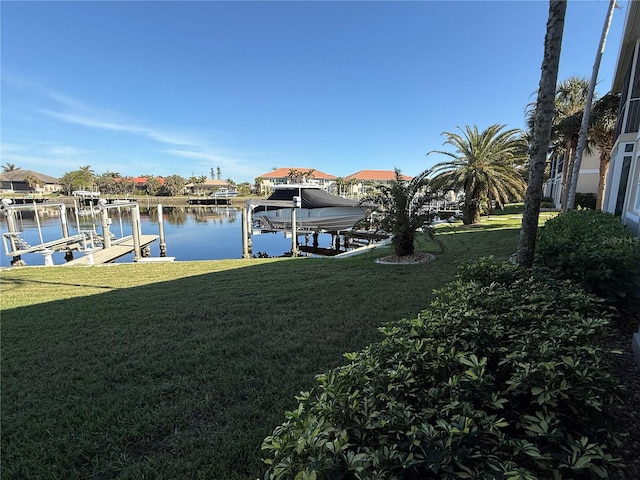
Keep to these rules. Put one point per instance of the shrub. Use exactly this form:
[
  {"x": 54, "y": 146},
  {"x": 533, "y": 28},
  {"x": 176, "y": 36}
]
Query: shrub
[
  {"x": 547, "y": 202},
  {"x": 494, "y": 380},
  {"x": 585, "y": 200},
  {"x": 593, "y": 249}
]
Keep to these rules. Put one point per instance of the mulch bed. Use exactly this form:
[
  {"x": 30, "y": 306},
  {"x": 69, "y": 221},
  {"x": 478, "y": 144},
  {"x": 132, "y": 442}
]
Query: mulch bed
[{"x": 628, "y": 374}]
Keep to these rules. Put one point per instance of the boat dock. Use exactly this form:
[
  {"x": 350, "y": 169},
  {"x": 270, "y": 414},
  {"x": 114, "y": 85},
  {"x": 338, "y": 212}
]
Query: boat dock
[
  {"x": 119, "y": 248},
  {"x": 209, "y": 201},
  {"x": 95, "y": 248}
]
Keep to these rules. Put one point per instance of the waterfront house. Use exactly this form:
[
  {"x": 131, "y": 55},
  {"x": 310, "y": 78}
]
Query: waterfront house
[
  {"x": 286, "y": 175},
  {"x": 140, "y": 183},
  {"x": 364, "y": 182},
  {"x": 205, "y": 188},
  {"x": 622, "y": 194},
  {"x": 27, "y": 181}
]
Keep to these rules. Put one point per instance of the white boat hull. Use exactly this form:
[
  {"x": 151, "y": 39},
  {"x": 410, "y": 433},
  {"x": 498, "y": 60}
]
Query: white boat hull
[{"x": 325, "y": 218}]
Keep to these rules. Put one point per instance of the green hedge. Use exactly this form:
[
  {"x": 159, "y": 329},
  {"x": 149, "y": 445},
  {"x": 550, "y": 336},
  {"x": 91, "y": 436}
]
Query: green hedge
[
  {"x": 585, "y": 200},
  {"x": 593, "y": 249},
  {"x": 501, "y": 378}
]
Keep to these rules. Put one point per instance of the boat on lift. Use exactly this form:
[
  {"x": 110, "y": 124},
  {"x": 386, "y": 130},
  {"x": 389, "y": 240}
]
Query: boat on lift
[
  {"x": 318, "y": 210},
  {"x": 223, "y": 193}
]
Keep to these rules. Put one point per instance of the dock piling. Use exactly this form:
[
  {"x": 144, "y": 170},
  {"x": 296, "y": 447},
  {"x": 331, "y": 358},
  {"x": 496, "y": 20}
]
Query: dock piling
[
  {"x": 135, "y": 226},
  {"x": 245, "y": 234},
  {"x": 105, "y": 221},
  {"x": 163, "y": 246},
  {"x": 294, "y": 234},
  {"x": 63, "y": 221}
]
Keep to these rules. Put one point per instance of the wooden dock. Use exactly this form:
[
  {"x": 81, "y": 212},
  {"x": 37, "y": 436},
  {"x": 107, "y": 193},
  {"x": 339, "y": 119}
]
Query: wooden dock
[{"x": 119, "y": 248}]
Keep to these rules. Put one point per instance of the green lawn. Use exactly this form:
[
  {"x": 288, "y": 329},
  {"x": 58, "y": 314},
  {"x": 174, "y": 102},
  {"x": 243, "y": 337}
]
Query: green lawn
[{"x": 180, "y": 370}]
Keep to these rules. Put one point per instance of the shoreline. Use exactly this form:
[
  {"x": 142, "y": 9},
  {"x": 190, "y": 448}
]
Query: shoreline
[{"x": 143, "y": 200}]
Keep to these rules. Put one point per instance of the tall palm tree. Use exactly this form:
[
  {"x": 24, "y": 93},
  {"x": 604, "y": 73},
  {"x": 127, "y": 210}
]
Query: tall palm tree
[
  {"x": 602, "y": 131},
  {"x": 586, "y": 117},
  {"x": 483, "y": 166},
  {"x": 541, "y": 131},
  {"x": 9, "y": 167},
  {"x": 571, "y": 95},
  {"x": 400, "y": 205}
]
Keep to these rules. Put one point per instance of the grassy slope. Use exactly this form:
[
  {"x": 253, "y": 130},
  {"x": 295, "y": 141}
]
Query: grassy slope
[{"x": 180, "y": 370}]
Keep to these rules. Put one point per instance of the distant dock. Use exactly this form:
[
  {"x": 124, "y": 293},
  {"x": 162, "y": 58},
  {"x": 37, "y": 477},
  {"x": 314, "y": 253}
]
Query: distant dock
[{"x": 209, "y": 201}]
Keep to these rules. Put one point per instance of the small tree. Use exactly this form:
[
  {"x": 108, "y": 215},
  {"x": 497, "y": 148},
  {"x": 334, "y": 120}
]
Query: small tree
[
  {"x": 173, "y": 185},
  {"x": 400, "y": 206},
  {"x": 152, "y": 185},
  {"x": 33, "y": 182}
]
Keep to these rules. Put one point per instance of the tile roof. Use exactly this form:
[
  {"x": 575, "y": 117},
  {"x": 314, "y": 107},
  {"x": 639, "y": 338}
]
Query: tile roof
[
  {"x": 377, "y": 175},
  {"x": 209, "y": 183},
  {"x": 143, "y": 180},
  {"x": 283, "y": 172},
  {"x": 19, "y": 175}
]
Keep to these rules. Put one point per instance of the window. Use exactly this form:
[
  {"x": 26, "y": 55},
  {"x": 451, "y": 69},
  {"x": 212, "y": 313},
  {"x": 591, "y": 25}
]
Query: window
[
  {"x": 628, "y": 147},
  {"x": 622, "y": 187}
]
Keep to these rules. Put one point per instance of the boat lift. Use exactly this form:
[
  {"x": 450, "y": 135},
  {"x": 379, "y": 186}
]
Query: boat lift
[
  {"x": 247, "y": 222},
  {"x": 15, "y": 246},
  {"x": 87, "y": 241}
]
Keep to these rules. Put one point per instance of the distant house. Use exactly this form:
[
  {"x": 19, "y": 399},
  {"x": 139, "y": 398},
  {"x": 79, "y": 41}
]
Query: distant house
[
  {"x": 18, "y": 181},
  {"x": 362, "y": 182},
  {"x": 587, "y": 177},
  {"x": 622, "y": 191},
  {"x": 205, "y": 188},
  {"x": 140, "y": 183},
  {"x": 286, "y": 175}
]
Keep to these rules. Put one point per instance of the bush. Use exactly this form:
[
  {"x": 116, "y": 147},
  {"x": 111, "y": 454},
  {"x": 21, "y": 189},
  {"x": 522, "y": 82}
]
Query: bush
[
  {"x": 593, "y": 249},
  {"x": 497, "y": 379},
  {"x": 547, "y": 202},
  {"x": 585, "y": 200}
]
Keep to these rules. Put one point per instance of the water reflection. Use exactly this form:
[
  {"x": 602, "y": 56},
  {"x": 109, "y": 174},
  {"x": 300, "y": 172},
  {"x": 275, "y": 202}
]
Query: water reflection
[{"x": 191, "y": 233}]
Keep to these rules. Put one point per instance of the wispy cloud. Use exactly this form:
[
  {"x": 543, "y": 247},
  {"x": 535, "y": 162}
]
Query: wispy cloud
[
  {"x": 97, "y": 121},
  {"x": 177, "y": 142},
  {"x": 66, "y": 108}
]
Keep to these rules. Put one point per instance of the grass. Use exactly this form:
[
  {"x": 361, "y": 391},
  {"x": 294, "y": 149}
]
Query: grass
[{"x": 180, "y": 370}]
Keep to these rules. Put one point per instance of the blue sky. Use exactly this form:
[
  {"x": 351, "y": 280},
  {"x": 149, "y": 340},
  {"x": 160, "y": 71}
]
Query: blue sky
[{"x": 183, "y": 87}]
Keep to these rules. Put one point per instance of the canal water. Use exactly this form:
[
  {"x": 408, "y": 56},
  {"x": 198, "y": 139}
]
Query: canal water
[{"x": 191, "y": 233}]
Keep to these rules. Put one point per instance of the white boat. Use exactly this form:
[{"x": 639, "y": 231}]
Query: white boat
[
  {"x": 86, "y": 197},
  {"x": 318, "y": 211},
  {"x": 223, "y": 193}
]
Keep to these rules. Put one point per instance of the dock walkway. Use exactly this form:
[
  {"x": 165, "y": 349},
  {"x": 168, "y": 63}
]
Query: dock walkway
[{"x": 119, "y": 248}]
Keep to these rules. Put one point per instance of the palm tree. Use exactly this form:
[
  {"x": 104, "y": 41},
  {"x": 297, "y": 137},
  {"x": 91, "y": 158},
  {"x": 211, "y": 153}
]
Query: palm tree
[
  {"x": 308, "y": 174},
  {"x": 33, "y": 181},
  {"x": 541, "y": 131},
  {"x": 258, "y": 185},
  {"x": 294, "y": 175},
  {"x": 9, "y": 167},
  {"x": 483, "y": 166},
  {"x": 401, "y": 207},
  {"x": 602, "y": 131},
  {"x": 584, "y": 127},
  {"x": 571, "y": 96}
]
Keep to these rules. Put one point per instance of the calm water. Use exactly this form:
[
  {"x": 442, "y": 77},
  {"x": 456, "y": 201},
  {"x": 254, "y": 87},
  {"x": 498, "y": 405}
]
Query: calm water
[{"x": 191, "y": 233}]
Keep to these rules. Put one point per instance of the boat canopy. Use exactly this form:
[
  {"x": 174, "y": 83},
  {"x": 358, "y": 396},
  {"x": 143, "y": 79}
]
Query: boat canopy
[{"x": 313, "y": 198}]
